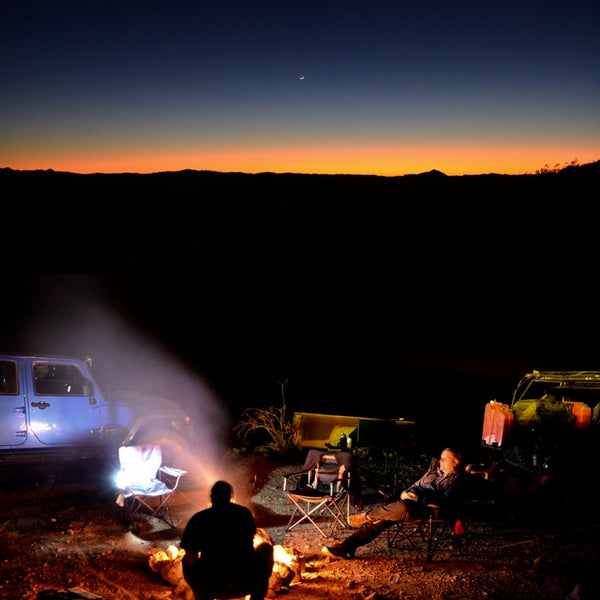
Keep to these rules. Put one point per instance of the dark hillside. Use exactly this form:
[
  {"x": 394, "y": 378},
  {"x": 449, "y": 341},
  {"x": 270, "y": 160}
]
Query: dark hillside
[{"x": 235, "y": 223}]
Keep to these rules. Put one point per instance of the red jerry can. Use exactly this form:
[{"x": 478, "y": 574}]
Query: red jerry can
[
  {"x": 583, "y": 414},
  {"x": 497, "y": 423}
]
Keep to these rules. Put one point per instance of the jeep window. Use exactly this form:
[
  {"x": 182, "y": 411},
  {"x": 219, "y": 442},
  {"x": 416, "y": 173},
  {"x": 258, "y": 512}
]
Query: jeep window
[
  {"x": 535, "y": 390},
  {"x": 59, "y": 380},
  {"x": 9, "y": 384}
]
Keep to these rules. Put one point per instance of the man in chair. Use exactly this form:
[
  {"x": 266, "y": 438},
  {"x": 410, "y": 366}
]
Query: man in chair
[
  {"x": 439, "y": 486},
  {"x": 220, "y": 560}
]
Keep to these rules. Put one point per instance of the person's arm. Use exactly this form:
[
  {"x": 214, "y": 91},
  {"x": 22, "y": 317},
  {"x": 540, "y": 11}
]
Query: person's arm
[
  {"x": 432, "y": 488},
  {"x": 406, "y": 495},
  {"x": 190, "y": 558},
  {"x": 442, "y": 491},
  {"x": 251, "y": 523},
  {"x": 190, "y": 541},
  {"x": 418, "y": 489}
]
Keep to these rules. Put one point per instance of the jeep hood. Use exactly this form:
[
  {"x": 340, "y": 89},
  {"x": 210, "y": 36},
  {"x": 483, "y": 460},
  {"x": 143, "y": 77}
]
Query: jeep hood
[{"x": 141, "y": 400}]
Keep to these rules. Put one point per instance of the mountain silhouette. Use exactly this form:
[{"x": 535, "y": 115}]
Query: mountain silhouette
[{"x": 208, "y": 222}]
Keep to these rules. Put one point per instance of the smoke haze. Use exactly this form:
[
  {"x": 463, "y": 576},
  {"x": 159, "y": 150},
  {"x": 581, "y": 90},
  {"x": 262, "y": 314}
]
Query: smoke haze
[{"x": 77, "y": 316}]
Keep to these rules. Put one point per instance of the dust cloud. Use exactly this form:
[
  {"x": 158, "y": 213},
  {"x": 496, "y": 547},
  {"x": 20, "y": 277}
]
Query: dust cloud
[{"x": 77, "y": 316}]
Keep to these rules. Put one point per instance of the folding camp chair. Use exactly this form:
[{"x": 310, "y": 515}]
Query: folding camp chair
[
  {"x": 321, "y": 491},
  {"x": 425, "y": 535},
  {"x": 146, "y": 483}
]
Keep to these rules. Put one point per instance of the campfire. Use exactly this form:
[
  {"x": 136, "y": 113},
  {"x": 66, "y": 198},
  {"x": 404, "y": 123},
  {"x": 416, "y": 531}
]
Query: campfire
[{"x": 287, "y": 568}]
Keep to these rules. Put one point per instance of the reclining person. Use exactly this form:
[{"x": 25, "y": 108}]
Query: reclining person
[
  {"x": 220, "y": 560},
  {"x": 439, "y": 486}
]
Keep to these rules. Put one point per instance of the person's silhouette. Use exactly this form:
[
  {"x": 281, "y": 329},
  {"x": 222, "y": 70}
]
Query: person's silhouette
[{"x": 220, "y": 560}]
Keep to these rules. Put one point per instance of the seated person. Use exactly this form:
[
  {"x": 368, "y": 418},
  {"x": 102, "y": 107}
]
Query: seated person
[
  {"x": 439, "y": 486},
  {"x": 220, "y": 560}
]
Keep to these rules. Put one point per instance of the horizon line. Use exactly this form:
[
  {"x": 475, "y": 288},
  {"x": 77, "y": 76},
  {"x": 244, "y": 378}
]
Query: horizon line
[{"x": 431, "y": 172}]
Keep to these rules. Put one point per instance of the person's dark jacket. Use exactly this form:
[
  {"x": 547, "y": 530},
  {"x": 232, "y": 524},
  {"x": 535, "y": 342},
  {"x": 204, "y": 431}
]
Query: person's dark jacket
[{"x": 438, "y": 488}]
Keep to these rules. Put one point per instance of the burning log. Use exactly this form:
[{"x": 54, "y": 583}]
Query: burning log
[
  {"x": 167, "y": 564},
  {"x": 287, "y": 568},
  {"x": 288, "y": 564}
]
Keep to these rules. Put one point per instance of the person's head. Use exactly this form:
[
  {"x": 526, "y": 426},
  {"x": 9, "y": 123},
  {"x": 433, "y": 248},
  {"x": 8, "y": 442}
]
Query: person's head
[
  {"x": 221, "y": 493},
  {"x": 450, "y": 460}
]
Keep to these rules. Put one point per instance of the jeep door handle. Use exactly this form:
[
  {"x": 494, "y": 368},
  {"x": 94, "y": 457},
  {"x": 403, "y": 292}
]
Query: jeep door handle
[{"x": 41, "y": 405}]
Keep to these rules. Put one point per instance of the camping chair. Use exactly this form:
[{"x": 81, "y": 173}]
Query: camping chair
[
  {"x": 425, "y": 535},
  {"x": 145, "y": 483},
  {"x": 321, "y": 491},
  {"x": 432, "y": 528}
]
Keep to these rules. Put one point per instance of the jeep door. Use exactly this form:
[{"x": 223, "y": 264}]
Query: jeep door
[
  {"x": 62, "y": 406},
  {"x": 13, "y": 428}
]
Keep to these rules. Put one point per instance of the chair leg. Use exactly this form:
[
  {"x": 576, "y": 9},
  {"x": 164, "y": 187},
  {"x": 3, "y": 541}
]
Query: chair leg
[
  {"x": 160, "y": 511},
  {"x": 336, "y": 511},
  {"x": 163, "y": 511},
  {"x": 402, "y": 532},
  {"x": 307, "y": 514},
  {"x": 434, "y": 532},
  {"x": 430, "y": 533},
  {"x": 342, "y": 513},
  {"x": 461, "y": 542}
]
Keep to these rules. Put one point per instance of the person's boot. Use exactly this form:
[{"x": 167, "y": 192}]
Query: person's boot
[{"x": 337, "y": 551}]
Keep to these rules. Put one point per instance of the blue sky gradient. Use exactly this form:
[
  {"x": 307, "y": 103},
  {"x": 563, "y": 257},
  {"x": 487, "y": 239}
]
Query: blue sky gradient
[{"x": 387, "y": 88}]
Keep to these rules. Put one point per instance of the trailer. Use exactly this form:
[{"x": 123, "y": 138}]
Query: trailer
[{"x": 326, "y": 432}]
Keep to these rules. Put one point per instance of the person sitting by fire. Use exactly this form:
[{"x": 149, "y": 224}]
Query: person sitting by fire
[
  {"x": 220, "y": 560},
  {"x": 438, "y": 486}
]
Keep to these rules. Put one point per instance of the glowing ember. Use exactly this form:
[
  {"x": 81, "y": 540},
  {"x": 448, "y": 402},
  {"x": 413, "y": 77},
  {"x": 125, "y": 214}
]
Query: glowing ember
[{"x": 167, "y": 564}]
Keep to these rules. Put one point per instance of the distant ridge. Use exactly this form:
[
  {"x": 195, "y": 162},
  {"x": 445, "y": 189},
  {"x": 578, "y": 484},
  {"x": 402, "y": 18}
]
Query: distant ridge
[
  {"x": 589, "y": 167},
  {"x": 214, "y": 223},
  {"x": 432, "y": 174}
]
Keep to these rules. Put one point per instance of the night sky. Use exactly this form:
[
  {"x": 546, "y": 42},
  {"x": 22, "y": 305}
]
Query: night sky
[{"x": 382, "y": 88}]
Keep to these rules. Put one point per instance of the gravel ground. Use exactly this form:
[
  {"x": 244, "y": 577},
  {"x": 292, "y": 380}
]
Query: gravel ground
[
  {"x": 504, "y": 559},
  {"x": 64, "y": 532}
]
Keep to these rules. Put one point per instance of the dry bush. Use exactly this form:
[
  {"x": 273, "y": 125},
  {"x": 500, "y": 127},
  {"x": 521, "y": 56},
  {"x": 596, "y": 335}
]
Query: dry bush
[{"x": 269, "y": 429}]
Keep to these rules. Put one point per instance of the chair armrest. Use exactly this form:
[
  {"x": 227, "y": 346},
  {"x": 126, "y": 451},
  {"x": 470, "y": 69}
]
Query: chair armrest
[
  {"x": 290, "y": 478},
  {"x": 295, "y": 473},
  {"x": 172, "y": 471}
]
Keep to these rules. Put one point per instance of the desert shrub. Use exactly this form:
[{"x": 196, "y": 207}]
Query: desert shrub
[
  {"x": 269, "y": 429},
  {"x": 556, "y": 168}
]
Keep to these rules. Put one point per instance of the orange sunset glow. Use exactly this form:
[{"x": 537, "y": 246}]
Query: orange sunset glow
[{"x": 383, "y": 161}]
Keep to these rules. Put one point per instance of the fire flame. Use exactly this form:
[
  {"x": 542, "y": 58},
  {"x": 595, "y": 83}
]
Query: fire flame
[{"x": 287, "y": 568}]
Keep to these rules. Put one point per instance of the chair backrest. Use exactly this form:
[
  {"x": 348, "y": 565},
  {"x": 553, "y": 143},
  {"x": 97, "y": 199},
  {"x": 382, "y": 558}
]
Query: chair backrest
[
  {"x": 139, "y": 464},
  {"x": 331, "y": 467}
]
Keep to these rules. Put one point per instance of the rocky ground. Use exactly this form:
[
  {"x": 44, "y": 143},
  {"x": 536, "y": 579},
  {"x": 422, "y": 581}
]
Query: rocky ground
[{"x": 63, "y": 531}]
